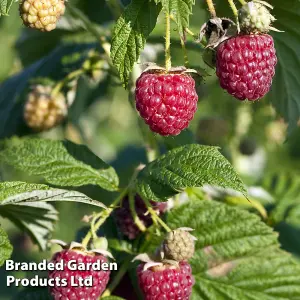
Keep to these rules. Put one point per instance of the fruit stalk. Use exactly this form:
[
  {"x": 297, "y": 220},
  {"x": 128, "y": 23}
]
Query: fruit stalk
[
  {"x": 155, "y": 217},
  {"x": 135, "y": 216},
  {"x": 211, "y": 8},
  {"x": 243, "y": 2},
  {"x": 168, "y": 42},
  {"x": 105, "y": 214},
  {"x": 186, "y": 59},
  {"x": 64, "y": 81},
  {"x": 235, "y": 12}
]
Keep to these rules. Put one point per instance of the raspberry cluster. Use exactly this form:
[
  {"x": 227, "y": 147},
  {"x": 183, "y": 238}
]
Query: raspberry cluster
[
  {"x": 42, "y": 111},
  {"x": 166, "y": 282},
  {"x": 246, "y": 65},
  {"x": 41, "y": 14},
  {"x": 124, "y": 218},
  {"x": 100, "y": 278},
  {"x": 167, "y": 102}
]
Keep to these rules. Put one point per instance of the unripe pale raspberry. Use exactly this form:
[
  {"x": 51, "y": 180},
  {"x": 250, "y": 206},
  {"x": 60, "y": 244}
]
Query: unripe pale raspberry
[
  {"x": 100, "y": 278},
  {"x": 179, "y": 245},
  {"x": 246, "y": 65},
  {"x": 124, "y": 218},
  {"x": 42, "y": 111},
  {"x": 41, "y": 14},
  {"x": 166, "y": 101},
  {"x": 255, "y": 17},
  {"x": 166, "y": 282}
]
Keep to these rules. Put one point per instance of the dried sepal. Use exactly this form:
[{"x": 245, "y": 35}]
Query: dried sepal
[{"x": 216, "y": 31}]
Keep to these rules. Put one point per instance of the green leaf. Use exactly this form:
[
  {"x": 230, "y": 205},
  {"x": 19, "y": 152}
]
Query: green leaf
[
  {"x": 181, "y": 10},
  {"x": 5, "y": 6},
  {"x": 284, "y": 94},
  {"x": 44, "y": 195},
  {"x": 237, "y": 255},
  {"x": 24, "y": 204},
  {"x": 5, "y": 247},
  {"x": 59, "y": 163},
  {"x": 285, "y": 188},
  {"x": 188, "y": 166},
  {"x": 130, "y": 34}
]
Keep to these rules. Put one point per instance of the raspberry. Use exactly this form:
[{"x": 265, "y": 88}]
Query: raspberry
[
  {"x": 167, "y": 102},
  {"x": 179, "y": 245},
  {"x": 124, "y": 218},
  {"x": 166, "y": 282},
  {"x": 246, "y": 65},
  {"x": 41, "y": 14},
  {"x": 42, "y": 111},
  {"x": 100, "y": 278}
]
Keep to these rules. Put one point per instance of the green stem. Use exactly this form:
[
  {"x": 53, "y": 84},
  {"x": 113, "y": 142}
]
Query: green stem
[
  {"x": 64, "y": 81},
  {"x": 235, "y": 12},
  {"x": 106, "y": 213},
  {"x": 185, "y": 56},
  {"x": 121, "y": 272},
  {"x": 243, "y": 2},
  {"x": 168, "y": 43},
  {"x": 211, "y": 8},
  {"x": 155, "y": 216},
  {"x": 135, "y": 217}
]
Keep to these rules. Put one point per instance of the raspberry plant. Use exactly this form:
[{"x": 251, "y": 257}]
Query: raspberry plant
[{"x": 180, "y": 186}]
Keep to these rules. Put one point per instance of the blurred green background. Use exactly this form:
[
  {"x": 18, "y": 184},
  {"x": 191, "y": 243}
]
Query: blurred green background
[{"x": 253, "y": 136}]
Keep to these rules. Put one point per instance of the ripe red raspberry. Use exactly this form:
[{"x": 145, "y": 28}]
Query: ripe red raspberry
[
  {"x": 166, "y": 282},
  {"x": 167, "y": 102},
  {"x": 100, "y": 278},
  {"x": 246, "y": 65},
  {"x": 124, "y": 218}
]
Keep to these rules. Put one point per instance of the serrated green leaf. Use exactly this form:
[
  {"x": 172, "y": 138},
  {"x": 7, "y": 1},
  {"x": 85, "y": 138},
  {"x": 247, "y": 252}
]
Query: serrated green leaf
[
  {"x": 180, "y": 10},
  {"x": 24, "y": 204},
  {"x": 5, "y": 247},
  {"x": 45, "y": 195},
  {"x": 5, "y": 6},
  {"x": 237, "y": 255},
  {"x": 8, "y": 189},
  {"x": 130, "y": 34},
  {"x": 188, "y": 166},
  {"x": 59, "y": 163}
]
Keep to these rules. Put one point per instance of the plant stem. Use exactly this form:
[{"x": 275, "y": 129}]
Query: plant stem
[
  {"x": 121, "y": 272},
  {"x": 155, "y": 216},
  {"x": 190, "y": 32},
  {"x": 211, "y": 8},
  {"x": 106, "y": 213},
  {"x": 64, "y": 81},
  {"x": 168, "y": 42},
  {"x": 185, "y": 56},
  {"x": 235, "y": 12},
  {"x": 135, "y": 217},
  {"x": 243, "y": 2}
]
